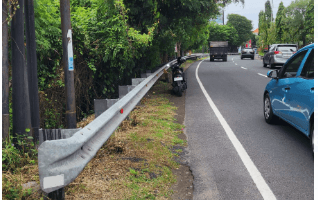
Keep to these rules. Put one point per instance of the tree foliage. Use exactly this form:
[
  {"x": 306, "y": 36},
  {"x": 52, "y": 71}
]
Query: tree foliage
[
  {"x": 293, "y": 24},
  {"x": 309, "y": 21},
  {"x": 279, "y": 22},
  {"x": 113, "y": 41},
  {"x": 268, "y": 12},
  {"x": 223, "y": 33},
  {"x": 295, "y": 20},
  {"x": 242, "y": 25}
]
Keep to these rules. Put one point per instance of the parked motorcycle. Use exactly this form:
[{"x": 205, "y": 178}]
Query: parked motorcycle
[{"x": 179, "y": 83}]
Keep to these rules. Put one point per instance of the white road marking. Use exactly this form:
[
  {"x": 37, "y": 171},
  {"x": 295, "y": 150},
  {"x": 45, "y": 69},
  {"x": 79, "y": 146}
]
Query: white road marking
[
  {"x": 243, "y": 68},
  {"x": 262, "y": 75},
  {"x": 235, "y": 63},
  {"x": 257, "y": 177}
]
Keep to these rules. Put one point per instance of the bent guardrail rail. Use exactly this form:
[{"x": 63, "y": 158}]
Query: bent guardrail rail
[{"x": 61, "y": 161}]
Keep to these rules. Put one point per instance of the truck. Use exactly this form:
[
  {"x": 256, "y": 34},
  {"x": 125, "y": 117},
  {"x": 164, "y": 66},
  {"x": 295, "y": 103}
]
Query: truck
[{"x": 218, "y": 50}]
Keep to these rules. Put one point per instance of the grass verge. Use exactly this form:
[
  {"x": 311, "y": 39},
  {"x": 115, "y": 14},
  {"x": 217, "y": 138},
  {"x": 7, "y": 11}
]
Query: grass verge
[{"x": 135, "y": 163}]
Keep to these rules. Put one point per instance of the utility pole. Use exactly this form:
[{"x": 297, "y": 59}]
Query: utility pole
[
  {"x": 68, "y": 63},
  {"x": 32, "y": 68},
  {"x": 17, "y": 38},
  {"x": 69, "y": 78},
  {"x": 5, "y": 72}
]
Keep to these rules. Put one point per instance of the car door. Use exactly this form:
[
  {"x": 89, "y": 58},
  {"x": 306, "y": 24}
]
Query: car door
[
  {"x": 287, "y": 77},
  {"x": 301, "y": 95}
]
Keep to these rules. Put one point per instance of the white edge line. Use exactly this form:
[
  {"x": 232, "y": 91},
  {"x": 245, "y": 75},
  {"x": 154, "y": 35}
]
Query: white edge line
[
  {"x": 257, "y": 177},
  {"x": 262, "y": 75}
]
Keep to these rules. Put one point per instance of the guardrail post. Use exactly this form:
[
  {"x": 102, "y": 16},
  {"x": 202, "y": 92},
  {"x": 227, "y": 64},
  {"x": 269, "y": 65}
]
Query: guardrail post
[
  {"x": 145, "y": 75},
  {"x": 101, "y": 105},
  {"x": 123, "y": 90},
  {"x": 136, "y": 81},
  {"x": 53, "y": 134}
]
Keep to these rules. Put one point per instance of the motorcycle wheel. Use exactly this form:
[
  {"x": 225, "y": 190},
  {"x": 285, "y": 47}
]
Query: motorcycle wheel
[{"x": 179, "y": 92}]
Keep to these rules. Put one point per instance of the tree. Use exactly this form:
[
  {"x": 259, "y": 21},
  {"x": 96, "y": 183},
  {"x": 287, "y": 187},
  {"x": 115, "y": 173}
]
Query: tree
[
  {"x": 260, "y": 21},
  {"x": 278, "y": 22},
  {"x": 223, "y": 33},
  {"x": 266, "y": 29},
  {"x": 242, "y": 25},
  {"x": 309, "y": 21},
  {"x": 295, "y": 20},
  {"x": 268, "y": 12}
]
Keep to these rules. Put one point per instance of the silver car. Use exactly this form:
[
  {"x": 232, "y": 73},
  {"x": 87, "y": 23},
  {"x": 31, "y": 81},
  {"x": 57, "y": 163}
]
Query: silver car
[{"x": 278, "y": 54}]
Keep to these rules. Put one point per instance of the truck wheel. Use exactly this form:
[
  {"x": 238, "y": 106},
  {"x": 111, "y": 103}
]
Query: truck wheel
[
  {"x": 225, "y": 59},
  {"x": 211, "y": 59}
]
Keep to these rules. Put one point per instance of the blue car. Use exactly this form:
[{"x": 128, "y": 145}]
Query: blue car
[{"x": 290, "y": 93}]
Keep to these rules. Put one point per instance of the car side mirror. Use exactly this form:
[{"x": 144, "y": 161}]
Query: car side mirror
[{"x": 272, "y": 74}]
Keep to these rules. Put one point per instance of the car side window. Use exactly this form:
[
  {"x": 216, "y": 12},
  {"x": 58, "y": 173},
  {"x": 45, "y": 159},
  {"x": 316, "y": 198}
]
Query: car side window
[
  {"x": 291, "y": 68},
  {"x": 308, "y": 70}
]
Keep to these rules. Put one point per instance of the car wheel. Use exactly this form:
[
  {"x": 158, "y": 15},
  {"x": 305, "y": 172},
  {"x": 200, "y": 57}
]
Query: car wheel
[
  {"x": 264, "y": 65},
  {"x": 270, "y": 118},
  {"x": 271, "y": 65},
  {"x": 312, "y": 138},
  {"x": 241, "y": 58},
  {"x": 252, "y": 58}
]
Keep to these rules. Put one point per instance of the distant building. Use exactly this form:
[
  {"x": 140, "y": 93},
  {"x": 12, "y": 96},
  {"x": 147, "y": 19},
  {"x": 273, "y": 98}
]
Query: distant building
[{"x": 255, "y": 32}]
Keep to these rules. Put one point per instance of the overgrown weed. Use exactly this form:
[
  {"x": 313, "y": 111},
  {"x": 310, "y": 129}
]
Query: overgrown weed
[{"x": 19, "y": 165}]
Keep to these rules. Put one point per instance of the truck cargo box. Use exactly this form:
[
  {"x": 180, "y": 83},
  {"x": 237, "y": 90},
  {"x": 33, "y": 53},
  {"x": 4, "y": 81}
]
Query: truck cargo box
[{"x": 218, "y": 50}]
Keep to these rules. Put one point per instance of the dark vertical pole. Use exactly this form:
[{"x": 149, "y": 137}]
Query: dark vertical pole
[
  {"x": 32, "y": 68},
  {"x": 5, "y": 72},
  {"x": 68, "y": 63},
  {"x": 26, "y": 100},
  {"x": 17, "y": 37}
]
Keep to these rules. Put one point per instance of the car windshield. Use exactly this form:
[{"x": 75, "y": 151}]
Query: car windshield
[{"x": 287, "y": 48}]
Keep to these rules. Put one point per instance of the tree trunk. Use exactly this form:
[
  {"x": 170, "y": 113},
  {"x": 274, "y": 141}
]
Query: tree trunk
[{"x": 5, "y": 72}]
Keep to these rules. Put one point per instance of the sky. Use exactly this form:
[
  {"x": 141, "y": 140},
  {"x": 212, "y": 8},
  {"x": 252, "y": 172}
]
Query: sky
[{"x": 252, "y": 8}]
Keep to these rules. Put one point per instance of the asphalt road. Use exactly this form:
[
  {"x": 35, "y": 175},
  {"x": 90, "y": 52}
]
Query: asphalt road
[{"x": 280, "y": 154}]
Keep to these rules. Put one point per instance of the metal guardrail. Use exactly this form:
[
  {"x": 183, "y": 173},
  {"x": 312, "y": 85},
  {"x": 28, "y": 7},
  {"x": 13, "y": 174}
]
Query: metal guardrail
[{"x": 61, "y": 161}]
